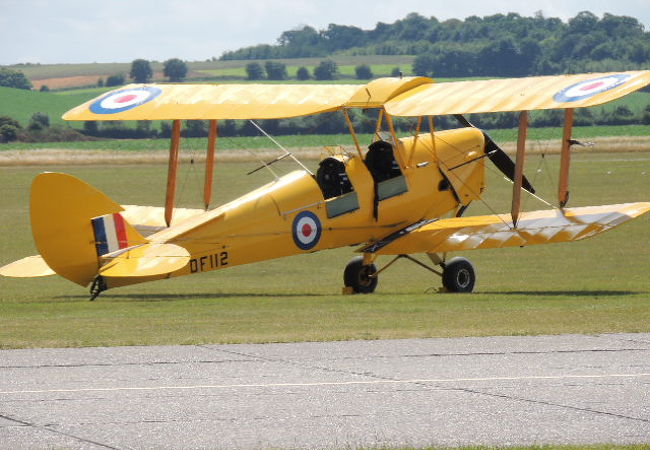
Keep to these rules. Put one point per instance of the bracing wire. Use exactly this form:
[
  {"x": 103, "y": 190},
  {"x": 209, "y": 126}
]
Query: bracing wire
[
  {"x": 494, "y": 170},
  {"x": 192, "y": 168},
  {"x": 485, "y": 203},
  {"x": 286, "y": 152},
  {"x": 541, "y": 162},
  {"x": 481, "y": 199}
]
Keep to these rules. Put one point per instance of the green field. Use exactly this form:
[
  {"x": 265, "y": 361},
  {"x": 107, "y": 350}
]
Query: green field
[
  {"x": 593, "y": 286},
  {"x": 21, "y": 104},
  {"x": 315, "y": 140}
]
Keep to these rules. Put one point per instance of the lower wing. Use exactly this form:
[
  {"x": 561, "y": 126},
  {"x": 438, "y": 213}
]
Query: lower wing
[{"x": 496, "y": 231}]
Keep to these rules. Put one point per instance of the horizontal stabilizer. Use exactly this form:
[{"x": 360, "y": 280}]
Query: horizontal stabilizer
[
  {"x": 145, "y": 260},
  {"x": 496, "y": 231},
  {"x": 32, "y": 266}
]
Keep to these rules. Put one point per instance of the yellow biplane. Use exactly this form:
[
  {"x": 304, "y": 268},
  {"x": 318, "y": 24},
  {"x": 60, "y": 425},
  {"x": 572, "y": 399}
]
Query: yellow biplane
[{"x": 398, "y": 196}]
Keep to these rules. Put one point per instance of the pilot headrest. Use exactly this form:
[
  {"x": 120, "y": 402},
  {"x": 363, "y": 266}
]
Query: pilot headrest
[{"x": 381, "y": 146}]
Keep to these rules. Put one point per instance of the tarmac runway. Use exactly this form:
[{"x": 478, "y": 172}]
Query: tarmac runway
[{"x": 418, "y": 392}]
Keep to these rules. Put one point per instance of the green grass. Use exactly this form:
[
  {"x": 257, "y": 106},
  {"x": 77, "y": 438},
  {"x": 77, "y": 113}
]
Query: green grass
[
  {"x": 21, "y": 104},
  {"x": 594, "y": 286}
]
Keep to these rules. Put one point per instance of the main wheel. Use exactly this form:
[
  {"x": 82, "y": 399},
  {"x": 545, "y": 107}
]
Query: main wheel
[
  {"x": 458, "y": 275},
  {"x": 358, "y": 276}
]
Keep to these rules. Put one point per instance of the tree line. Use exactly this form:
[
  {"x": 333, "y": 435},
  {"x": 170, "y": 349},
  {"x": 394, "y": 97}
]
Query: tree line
[
  {"x": 497, "y": 45},
  {"x": 39, "y": 129},
  {"x": 325, "y": 70}
]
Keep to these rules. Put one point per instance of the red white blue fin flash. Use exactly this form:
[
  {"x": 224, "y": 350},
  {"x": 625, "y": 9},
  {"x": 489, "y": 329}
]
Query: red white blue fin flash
[{"x": 110, "y": 233}]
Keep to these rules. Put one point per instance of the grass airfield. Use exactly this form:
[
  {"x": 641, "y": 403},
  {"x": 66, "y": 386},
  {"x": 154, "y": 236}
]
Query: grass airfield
[{"x": 594, "y": 286}]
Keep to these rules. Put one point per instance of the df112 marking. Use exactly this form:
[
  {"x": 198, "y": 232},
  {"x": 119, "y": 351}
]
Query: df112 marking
[{"x": 209, "y": 262}]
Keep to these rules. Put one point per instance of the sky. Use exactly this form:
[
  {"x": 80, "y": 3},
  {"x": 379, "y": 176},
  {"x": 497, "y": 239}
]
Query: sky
[{"x": 85, "y": 31}]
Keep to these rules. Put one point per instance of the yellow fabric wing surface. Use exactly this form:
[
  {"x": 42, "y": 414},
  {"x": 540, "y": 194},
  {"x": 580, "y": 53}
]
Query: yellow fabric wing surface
[
  {"x": 223, "y": 101},
  {"x": 31, "y": 266},
  {"x": 517, "y": 94},
  {"x": 496, "y": 231},
  {"x": 417, "y": 96},
  {"x": 145, "y": 260},
  {"x": 151, "y": 219}
]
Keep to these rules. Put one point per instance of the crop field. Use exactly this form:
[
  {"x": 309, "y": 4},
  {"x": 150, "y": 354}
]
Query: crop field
[
  {"x": 593, "y": 286},
  {"x": 41, "y": 71}
]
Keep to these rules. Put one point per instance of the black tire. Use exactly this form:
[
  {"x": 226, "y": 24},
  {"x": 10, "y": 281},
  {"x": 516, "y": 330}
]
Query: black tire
[
  {"x": 357, "y": 276},
  {"x": 458, "y": 275}
]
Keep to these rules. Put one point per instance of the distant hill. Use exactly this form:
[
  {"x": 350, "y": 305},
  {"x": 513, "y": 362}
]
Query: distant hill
[{"x": 498, "y": 45}]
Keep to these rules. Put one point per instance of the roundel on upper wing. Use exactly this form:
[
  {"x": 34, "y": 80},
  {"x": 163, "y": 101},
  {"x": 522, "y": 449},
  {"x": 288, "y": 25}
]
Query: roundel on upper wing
[
  {"x": 589, "y": 88},
  {"x": 124, "y": 100},
  {"x": 306, "y": 230}
]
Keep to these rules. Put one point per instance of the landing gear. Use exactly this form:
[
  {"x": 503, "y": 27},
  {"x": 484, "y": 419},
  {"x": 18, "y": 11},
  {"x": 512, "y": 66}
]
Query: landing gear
[
  {"x": 361, "y": 275},
  {"x": 458, "y": 275},
  {"x": 361, "y": 278}
]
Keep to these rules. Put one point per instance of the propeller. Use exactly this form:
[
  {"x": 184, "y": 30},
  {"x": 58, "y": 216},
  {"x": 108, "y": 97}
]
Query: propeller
[{"x": 497, "y": 156}]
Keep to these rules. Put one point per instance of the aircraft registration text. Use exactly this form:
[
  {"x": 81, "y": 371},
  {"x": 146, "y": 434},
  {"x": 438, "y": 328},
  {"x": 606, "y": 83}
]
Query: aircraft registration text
[{"x": 209, "y": 262}]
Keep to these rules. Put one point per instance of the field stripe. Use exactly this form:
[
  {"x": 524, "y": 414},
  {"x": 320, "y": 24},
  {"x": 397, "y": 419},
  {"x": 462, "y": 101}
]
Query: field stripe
[{"x": 330, "y": 383}]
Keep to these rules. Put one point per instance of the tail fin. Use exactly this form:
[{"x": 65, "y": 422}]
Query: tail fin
[{"x": 74, "y": 224}]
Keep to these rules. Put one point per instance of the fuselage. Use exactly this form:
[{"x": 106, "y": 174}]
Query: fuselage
[{"x": 348, "y": 202}]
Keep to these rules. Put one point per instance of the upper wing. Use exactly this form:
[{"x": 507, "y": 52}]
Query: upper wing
[
  {"x": 213, "y": 101},
  {"x": 496, "y": 231},
  {"x": 517, "y": 94},
  {"x": 416, "y": 96}
]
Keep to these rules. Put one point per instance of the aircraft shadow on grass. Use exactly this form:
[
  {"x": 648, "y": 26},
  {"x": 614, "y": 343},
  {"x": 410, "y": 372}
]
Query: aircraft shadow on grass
[
  {"x": 603, "y": 293},
  {"x": 161, "y": 297},
  {"x": 211, "y": 295}
]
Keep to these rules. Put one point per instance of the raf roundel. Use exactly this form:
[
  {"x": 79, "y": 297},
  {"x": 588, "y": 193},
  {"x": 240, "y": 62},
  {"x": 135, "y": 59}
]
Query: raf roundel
[
  {"x": 589, "y": 88},
  {"x": 124, "y": 100},
  {"x": 306, "y": 230}
]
